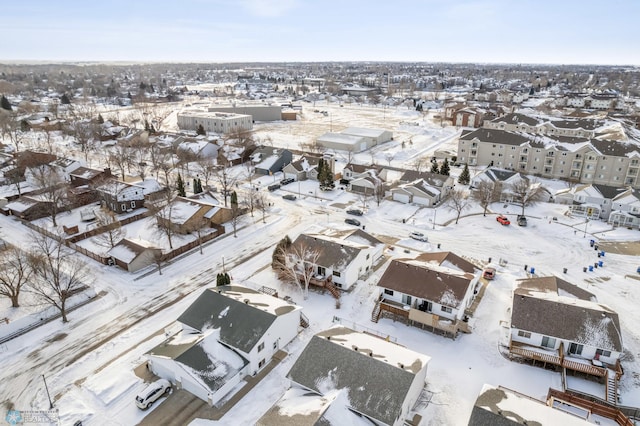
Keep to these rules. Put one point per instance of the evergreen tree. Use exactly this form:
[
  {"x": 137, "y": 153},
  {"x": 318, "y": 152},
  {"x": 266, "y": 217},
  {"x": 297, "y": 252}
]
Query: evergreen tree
[
  {"x": 464, "y": 178},
  {"x": 25, "y": 126},
  {"x": 223, "y": 279},
  {"x": 434, "y": 167},
  {"x": 444, "y": 169},
  {"x": 180, "y": 187},
  {"x": 5, "y": 104},
  {"x": 200, "y": 130},
  {"x": 200, "y": 186},
  {"x": 100, "y": 119},
  {"x": 234, "y": 199},
  {"x": 195, "y": 186},
  {"x": 64, "y": 100}
]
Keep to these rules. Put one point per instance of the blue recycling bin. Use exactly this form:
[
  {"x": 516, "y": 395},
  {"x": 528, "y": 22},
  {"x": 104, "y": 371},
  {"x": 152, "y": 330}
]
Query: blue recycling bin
[
  {"x": 600, "y": 263},
  {"x": 638, "y": 270},
  {"x": 602, "y": 253},
  {"x": 590, "y": 268},
  {"x": 532, "y": 270},
  {"x": 591, "y": 242}
]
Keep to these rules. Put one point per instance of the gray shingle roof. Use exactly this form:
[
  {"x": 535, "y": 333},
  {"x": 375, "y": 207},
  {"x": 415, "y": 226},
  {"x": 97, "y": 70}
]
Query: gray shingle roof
[
  {"x": 567, "y": 318},
  {"x": 496, "y": 136},
  {"x": 241, "y": 325},
  {"x": 332, "y": 254},
  {"x": 375, "y": 388}
]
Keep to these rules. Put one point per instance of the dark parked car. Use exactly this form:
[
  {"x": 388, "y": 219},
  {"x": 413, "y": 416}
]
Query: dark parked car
[
  {"x": 290, "y": 197},
  {"x": 273, "y": 187},
  {"x": 352, "y": 221},
  {"x": 287, "y": 181},
  {"x": 522, "y": 220},
  {"x": 355, "y": 212}
]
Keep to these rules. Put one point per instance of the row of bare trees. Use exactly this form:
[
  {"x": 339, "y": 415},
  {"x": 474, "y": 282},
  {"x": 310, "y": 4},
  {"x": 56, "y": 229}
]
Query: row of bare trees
[
  {"x": 49, "y": 270},
  {"x": 523, "y": 192}
]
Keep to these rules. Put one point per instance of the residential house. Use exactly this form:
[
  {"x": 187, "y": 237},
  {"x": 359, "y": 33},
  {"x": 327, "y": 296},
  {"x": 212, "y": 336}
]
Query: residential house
[
  {"x": 590, "y": 201},
  {"x": 228, "y": 333},
  {"x": 200, "y": 147},
  {"x": 354, "y": 139},
  {"x": 28, "y": 207},
  {"x": 343, "y": 375},
  {"x": 86, "y": 176},
  {"x": 134, "y": 254},
  {"x": 119, "y": 196},
  {"x": 269, "y": 160},
  {"x": 561, "y": 324},
  {"x": 500, "y": 406},
  {"x": 66, "y": 166},
  {"x": 423, "y": 188},
  {"x": 500, "y": 178},
  {"x": 343, "y": 257},
  {"x": 307, "y": 167},
  {"x": 185, "y": 215},
  {"x": 433, "y": 290},
  {"x": 626, "y": 209}
]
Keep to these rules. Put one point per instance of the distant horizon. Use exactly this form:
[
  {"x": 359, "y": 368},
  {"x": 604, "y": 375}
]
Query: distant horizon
[
  {"x": 542, "y": 32},
  {"x": 127, "y": 62}
]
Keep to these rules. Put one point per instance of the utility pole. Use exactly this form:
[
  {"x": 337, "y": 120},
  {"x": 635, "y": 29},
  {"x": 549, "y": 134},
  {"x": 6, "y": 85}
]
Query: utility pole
[{"x": 48, "y": 396}]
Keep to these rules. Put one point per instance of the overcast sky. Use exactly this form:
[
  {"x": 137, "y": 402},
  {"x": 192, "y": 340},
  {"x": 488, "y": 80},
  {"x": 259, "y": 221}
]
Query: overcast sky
[{"x": 506, "y": 31}]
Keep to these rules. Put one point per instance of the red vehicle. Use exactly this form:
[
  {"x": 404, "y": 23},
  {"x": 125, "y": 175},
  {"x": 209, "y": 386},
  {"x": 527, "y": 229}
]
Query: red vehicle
[{"x": 503, "y": 220}]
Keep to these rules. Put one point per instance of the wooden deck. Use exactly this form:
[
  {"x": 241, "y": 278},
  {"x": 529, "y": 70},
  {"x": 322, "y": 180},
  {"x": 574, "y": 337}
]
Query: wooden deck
[{"x": 556, "y": 358}]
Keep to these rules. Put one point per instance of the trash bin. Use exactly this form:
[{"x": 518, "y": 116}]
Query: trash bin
[
  {"x": 600, "y": 263},
  {"x": 595, "y": 247},
  {"x": 438, "y": 245},
  {"x": 598, "y": 254},
  {"x": 564, "y": 270},
  {"x": 602, "y": 253},
  {"x": 591, "y": 242},
  {"x": 584, "y": 269},
  {"x": 489, "y": 260},
  {"x": 638, "y": 270},
  {"x": 595, "y": 265},
  {"x": 526, "y": 267},
  {"x": 590, "y": 268},
  {"x": 532, "y": 270}
]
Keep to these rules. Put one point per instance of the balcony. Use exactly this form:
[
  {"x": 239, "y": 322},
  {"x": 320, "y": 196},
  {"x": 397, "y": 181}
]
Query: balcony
[{"x": 558, "y": 358}]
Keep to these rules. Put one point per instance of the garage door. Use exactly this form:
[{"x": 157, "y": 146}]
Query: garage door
[{"x": 403, "y": 198}]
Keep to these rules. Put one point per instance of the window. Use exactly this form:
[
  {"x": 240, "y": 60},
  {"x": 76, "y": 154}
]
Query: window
[
  {"x": 575, "y": 349},
  {"x": 406, "y": 299},
  {"x": 548, "y": 342},
  {"x": 601, "y": 352},
  {"x": 524, "y": 334},
  {"x": 124, "y": 207},
  {"x": 445, "y": 309},
  {"x": 389, "y": 292},
  {"x": 275, "y": 345},
  {"x": 260, "y": 347},
  {"x": 261, "y": 363},
  {"x": 133, "y": 204},
  {"x": 336, "y": 274}
]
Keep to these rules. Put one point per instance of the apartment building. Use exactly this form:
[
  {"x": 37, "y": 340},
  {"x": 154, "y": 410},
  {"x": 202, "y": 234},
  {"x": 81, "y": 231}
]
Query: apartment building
[
  {"x": 218, "y": 122},
  {"x": 583, "y": 160}
]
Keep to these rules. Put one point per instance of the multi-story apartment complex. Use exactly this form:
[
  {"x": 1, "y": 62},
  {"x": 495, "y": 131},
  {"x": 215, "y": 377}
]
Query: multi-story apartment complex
[{"x": 546, "y": 153}]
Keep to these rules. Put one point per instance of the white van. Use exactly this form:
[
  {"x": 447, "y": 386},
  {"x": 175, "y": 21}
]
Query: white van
[{"x": 151, "y": 393}]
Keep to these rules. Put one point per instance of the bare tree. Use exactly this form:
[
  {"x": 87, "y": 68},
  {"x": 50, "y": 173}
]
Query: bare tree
[
  {"x": 11, "y": 128},
  {"x": 418, "y": 164},
  {"x": 226, "y": 181},
  {"x": 458, "y": 202},
  {"x": 389, "y": 156},
  {"x": 237, "y": 210},
  {"x": 379, "y": 192},
  {"x": 113, "y": 234},
  {"x": 52, "y": 188},
  {"x": 485, "y": 193},
  {"x": 207, "y": 167},
  {"x": 363, "y": 198},
  {"x": 85, "y": 132},
  {"x": 166, "y": 216},
  {"x": 15, "y": 273},
  {"x": 122, "y": 158},
  {"x": 527, "y": 193},
  {"x": 297, "y": 264},
  {"x": 261, "y": 204},
  {"x": 58, "y": 272}
]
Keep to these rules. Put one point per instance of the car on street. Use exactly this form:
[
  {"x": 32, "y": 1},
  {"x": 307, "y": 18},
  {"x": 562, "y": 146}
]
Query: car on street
[
  {"x": 355, "y": 212},
  {"x": 290, "y": 197},
  {"x": 418, "y": 236},
  {"x": 351, "y": 221},
  {"x": 503, "y": 220},
  {"x": 522, "y": 220},
  {"x": 287, "y": 181},
  {"x": 152, "y": 393}
]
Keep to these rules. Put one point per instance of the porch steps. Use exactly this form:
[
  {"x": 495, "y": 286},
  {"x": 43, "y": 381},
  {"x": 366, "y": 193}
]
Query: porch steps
[
  {"x": 335, "y": 291},
  {"x": 304, "y": 321},
  {"x": 612, "y": 387},
  {"x": 375, "y": 315}
]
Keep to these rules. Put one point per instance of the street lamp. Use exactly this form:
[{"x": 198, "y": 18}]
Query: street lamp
[
  {"x": 585, "y": 228},
  {"x": 434, "y": 218},
  {"x": 48, "y": 396}
]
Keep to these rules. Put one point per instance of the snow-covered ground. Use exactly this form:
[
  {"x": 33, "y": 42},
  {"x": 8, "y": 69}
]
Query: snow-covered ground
[{"x": 88, "y": 363}]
